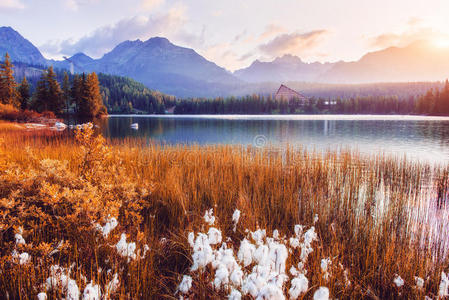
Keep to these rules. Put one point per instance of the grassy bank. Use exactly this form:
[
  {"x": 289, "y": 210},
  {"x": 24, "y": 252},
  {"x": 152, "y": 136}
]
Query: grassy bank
[{"x": 129, "y": 220}]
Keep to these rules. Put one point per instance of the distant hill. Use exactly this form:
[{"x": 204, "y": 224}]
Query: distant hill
[
  {"x": 282, "y": 69},
  {"x": 76, "y": 63}
]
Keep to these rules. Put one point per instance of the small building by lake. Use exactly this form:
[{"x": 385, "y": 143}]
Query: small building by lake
[{"x": 286, "y": 93}]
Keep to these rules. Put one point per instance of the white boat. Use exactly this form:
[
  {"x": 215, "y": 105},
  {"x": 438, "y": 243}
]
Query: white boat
[{"x": 135, "y": 126}]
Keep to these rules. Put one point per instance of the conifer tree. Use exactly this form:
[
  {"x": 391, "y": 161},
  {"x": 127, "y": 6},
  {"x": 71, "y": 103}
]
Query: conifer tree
[
  {"x": 40, "y": 95},
  {"x": 55, "y": 97},
  {"x": 91, "y": 104},
  {"x": 66, "y": 93},
  {"x": 444, "y": 99},
  {"x": 48, "y": 94},
  {"x": 8, "y": 92},
  {"x": 24, "y": 93},
  {"x": 77, "y": 91},
  {"x": 81, "y": 96}
]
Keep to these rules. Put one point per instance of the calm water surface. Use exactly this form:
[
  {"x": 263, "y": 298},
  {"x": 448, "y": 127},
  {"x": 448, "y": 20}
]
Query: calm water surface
[{"x": 418, "y": 138}]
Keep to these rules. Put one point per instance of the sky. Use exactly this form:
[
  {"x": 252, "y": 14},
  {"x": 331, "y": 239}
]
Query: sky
[{"x": 231, "y": 33}]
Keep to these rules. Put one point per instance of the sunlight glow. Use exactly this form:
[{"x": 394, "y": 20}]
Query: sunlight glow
[{"x": 441, "y": 43}]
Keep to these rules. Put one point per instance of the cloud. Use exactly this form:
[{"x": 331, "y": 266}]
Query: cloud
[
  {"x": 76, "y": 4},
  {"x": 246, "y": 56},
  {"x": 105, "y": 38},
  {"x": 222, "y": 54},
  {"x": 415, "y": 30},
  {"x": 217, "y": 13},
  {"x": 415, "y": 21},
  {"x": 6, "y": 5},
  {"x": 51, "y": 49},
  {"x": 270, "y": 31},
  {"x": 403, "y": 39},
  {"x": 240, "y": 36},
  {"x": 294, "y": 43},
  {"x": 149, "y": 5},
  {"x": 189, "y": 39},
  {"x": 225, "y": 53}
]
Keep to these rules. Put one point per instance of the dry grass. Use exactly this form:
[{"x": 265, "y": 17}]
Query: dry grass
[
  {"x": 6, "y": 127},
  {"x": 372, "y": 213}
]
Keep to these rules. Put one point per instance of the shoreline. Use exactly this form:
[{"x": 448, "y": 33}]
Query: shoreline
[
  {"x": 292, "y": 117},
  {"x": 49, "y": 124}
]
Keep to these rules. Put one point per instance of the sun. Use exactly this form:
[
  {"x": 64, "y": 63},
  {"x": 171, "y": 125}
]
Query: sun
[{"x": 441, "y": 43}]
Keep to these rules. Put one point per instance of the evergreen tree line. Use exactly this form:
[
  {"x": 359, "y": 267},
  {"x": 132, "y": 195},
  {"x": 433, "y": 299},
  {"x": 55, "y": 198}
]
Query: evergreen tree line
[
  {"x": 434, "y": 102},
  {"x": 119, "y": 94},
  {"x": 82, "y": 96},
  {"x": 259, "y": 104},
  {"x": 124, "y": 95},
  {"x": 402, "y": 90}
]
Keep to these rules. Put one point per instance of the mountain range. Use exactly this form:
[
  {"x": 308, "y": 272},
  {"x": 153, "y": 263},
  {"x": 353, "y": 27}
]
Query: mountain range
[
  {"x": 419, "y": 61},
  {"x": 157, "y": 63},
  {"x": 283, "y": 69},
  {"x": 180, "y": 71}
]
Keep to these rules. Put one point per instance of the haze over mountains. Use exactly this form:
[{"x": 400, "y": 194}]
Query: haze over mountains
[
  {"x": 419, "y": 61},
  {"x": 182, "y": 72},
  {"x": 283, "y": 69}
]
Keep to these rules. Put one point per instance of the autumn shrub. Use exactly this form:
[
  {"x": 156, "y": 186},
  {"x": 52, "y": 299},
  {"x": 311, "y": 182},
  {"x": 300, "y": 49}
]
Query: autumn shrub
[
  {"x": 57, "y": 208},
  {"x": 8, "y": 112},
  {"x": 48, "y": 115}
]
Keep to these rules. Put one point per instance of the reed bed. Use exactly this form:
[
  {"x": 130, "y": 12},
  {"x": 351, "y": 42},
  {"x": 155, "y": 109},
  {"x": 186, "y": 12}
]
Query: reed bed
[{"x": 377, "y": 218}]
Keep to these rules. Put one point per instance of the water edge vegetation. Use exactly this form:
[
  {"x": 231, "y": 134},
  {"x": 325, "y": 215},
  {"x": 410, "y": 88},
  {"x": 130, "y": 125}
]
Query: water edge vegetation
[{"x": 85, "y": 215}]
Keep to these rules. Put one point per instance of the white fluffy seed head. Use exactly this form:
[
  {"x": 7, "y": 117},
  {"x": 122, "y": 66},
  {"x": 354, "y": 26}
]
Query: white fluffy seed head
[{"x": 321, "y": 294}]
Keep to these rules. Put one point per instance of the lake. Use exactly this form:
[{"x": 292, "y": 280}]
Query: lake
[{"x": 417, "y": 137}]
